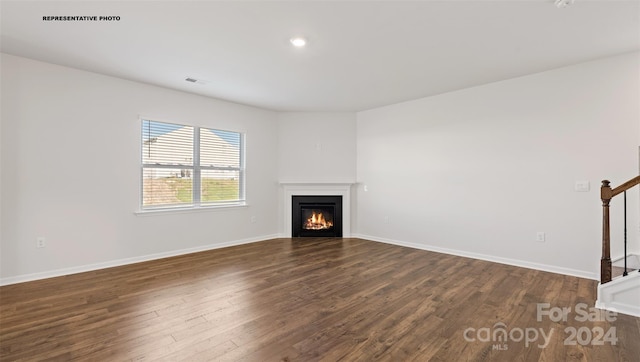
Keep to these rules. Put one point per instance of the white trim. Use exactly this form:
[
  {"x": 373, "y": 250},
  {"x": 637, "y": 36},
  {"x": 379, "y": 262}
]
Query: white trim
[
  {"x": 127, "y": 261},
  {"x": 181, "y": 210},
  {"x": 317, "y": 189},
  {"x": 316, "y": 183},
  {"x": 196, "y": 167},
  {"x": 633, "y": 261},
  {"x": 628, "y": 309},
  {"x": 491, "y": 258},
  {"x": 611, "y": 295},
  {"x": 196, "y": 192}
]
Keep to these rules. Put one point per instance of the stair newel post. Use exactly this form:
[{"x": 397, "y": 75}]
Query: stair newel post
[{"x": 605, "y": 262}]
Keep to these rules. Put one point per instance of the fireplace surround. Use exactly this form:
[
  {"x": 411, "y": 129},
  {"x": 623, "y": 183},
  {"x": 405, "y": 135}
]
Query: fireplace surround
[{"x": 291, "y": 189}]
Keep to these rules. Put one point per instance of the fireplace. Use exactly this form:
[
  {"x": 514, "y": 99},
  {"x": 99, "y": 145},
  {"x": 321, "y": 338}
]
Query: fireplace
[
  {"x": 291, "y": 189},
  {"x": 316, "y": 216}
]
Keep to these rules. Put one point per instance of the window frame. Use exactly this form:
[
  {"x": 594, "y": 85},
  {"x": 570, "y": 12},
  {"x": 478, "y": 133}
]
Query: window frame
[{"x": 196, "y": 172}]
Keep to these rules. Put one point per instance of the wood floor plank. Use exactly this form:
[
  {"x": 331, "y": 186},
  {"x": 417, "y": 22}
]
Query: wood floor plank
[{"x": 304, "y": 299}]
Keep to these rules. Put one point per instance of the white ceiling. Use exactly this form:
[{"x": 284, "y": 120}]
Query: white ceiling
[{"x": 360, "y": 54}]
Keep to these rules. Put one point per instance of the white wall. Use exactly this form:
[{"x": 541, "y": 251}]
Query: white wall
[
  {"x": 475, "y": 172},
  {"x": 316, "y": 147},
  {"x": 70, "y": 171},
  {"x": 2, "y": 112},
  {"x": 480, "y": 171}
]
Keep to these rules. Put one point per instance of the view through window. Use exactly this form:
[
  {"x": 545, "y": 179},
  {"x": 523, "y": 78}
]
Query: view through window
[{"x": 185, "y": 166}]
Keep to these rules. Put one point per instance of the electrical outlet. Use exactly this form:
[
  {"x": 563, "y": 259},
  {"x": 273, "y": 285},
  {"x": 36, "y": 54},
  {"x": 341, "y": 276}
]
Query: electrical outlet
[
  {"x": 40, "y": 242},
  {"x": 541, "y": 237}
]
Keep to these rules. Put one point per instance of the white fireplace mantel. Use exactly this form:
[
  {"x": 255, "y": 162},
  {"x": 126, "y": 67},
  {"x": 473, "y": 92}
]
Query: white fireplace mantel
[{"x": 318, "y": 189}]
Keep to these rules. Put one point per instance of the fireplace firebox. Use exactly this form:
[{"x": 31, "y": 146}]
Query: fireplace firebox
[{"x": 316, "y": 216}]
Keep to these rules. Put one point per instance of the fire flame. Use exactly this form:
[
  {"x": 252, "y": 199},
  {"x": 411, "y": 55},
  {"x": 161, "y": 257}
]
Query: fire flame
[{"x": 317, "y": 222}]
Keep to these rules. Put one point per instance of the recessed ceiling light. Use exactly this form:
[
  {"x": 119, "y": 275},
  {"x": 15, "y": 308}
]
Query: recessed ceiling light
[{"x": 298, "y": 42}]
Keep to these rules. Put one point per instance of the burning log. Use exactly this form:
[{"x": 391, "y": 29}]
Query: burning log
[{"x": 317, "y": 221}]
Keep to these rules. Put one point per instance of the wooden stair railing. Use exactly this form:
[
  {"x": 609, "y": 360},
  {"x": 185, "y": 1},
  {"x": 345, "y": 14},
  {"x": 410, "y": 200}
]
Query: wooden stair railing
[{"x": 606, "y": 194}]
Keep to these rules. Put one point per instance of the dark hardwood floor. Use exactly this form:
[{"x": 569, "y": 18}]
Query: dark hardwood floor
[{"x": 308, "y": 300}]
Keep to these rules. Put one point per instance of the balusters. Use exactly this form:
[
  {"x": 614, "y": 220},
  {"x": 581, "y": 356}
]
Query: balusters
[{"x": 606, "y": 194}]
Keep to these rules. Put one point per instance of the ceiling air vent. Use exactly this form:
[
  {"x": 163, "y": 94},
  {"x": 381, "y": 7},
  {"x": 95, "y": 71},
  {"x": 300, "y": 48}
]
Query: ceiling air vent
[{"x": 196, "y": 81}]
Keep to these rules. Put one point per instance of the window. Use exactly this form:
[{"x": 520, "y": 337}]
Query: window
[{"x": 185, "y": 166}]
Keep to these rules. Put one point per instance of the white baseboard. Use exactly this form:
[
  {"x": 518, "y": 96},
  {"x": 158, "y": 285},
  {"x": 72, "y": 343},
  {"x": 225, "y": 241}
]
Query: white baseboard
[
  {"x": 126, "y": 261},
  {"x": 495, "y": 259}
]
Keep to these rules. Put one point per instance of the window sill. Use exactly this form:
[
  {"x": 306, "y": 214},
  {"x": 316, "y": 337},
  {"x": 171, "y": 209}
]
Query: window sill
[{"x": 186, "y": 210}]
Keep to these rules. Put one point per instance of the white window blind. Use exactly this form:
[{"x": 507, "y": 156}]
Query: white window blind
[{"x": 185, "y": 166}]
